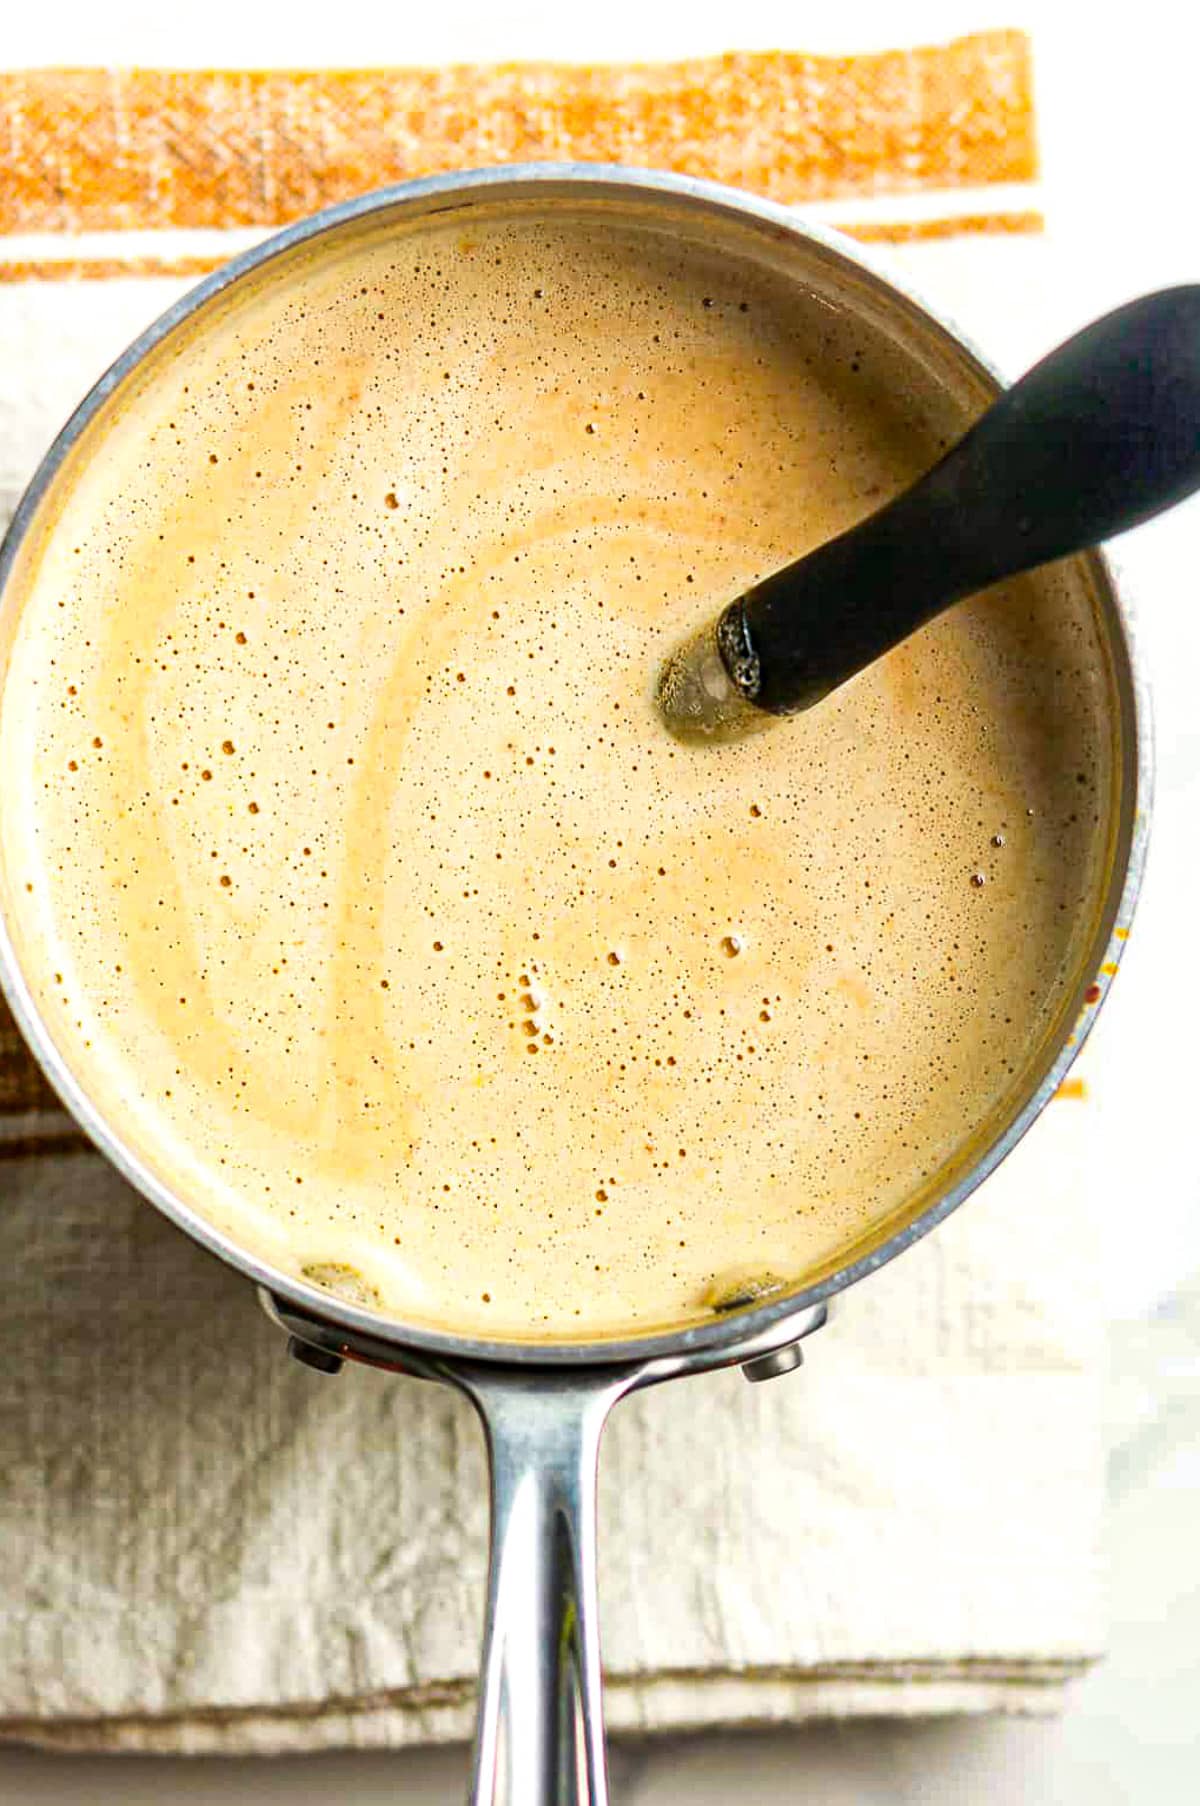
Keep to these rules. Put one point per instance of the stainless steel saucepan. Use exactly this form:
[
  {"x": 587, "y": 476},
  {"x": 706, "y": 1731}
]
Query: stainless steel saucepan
[{"x": 543, "y": 1407}]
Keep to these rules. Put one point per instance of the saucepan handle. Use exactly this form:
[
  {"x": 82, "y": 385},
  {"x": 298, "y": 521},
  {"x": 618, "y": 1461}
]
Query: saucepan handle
[{"x": 540, "y": 1737}]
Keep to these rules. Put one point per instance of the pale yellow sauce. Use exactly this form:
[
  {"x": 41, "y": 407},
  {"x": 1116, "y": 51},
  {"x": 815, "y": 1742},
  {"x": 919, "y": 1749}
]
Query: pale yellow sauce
[{"x": 367, "y": 889}]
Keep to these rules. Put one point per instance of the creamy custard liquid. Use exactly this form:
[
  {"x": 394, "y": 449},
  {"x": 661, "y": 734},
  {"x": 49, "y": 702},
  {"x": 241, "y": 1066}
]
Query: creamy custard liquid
[{"x": 352, "y": 864}]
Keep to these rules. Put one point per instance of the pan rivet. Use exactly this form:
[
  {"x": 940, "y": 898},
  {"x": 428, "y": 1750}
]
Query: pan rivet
[
  {"x": 771, "y": 1366},
  {"x": 322, "y": 1360}
]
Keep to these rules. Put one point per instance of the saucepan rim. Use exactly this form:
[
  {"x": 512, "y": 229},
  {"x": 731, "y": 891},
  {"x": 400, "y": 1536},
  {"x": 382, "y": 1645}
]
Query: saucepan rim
[{"x": 696, "y": 1344}]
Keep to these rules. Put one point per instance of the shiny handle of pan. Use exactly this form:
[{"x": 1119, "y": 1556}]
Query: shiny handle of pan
[{"x": 540, "y": 1735}]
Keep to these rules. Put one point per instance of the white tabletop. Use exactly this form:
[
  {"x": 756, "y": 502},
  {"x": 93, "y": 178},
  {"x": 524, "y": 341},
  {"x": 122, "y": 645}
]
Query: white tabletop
[{"x": 1131, "y": 1731}]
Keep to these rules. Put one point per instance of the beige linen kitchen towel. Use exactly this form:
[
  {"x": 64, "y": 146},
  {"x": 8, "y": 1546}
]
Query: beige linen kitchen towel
[{"x": 204, "y": 1547}]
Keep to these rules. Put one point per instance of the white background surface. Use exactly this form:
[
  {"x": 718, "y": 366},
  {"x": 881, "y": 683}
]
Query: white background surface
[{"x": 1118, "y": 107}]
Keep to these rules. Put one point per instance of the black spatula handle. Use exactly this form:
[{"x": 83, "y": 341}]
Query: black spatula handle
[{"x": 1102, "y": 434}]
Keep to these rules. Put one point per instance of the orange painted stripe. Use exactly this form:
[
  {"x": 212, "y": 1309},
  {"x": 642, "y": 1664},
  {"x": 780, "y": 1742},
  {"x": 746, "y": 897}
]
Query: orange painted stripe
[
  {"x": 99, "y": 150},
  {"x": 906, "y": 232},
  {"x": 59, "y": 1136},
  {"x": 23, "y": 1090},
  {"x": 91, "y": 269}
]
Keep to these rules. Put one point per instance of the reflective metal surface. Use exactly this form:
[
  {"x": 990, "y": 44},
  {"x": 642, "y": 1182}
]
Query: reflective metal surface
[
  {"x": 543, "y": 1405},
  {"x": 540, "y": 1734},
  {"x": 541, "y": 1731}
]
